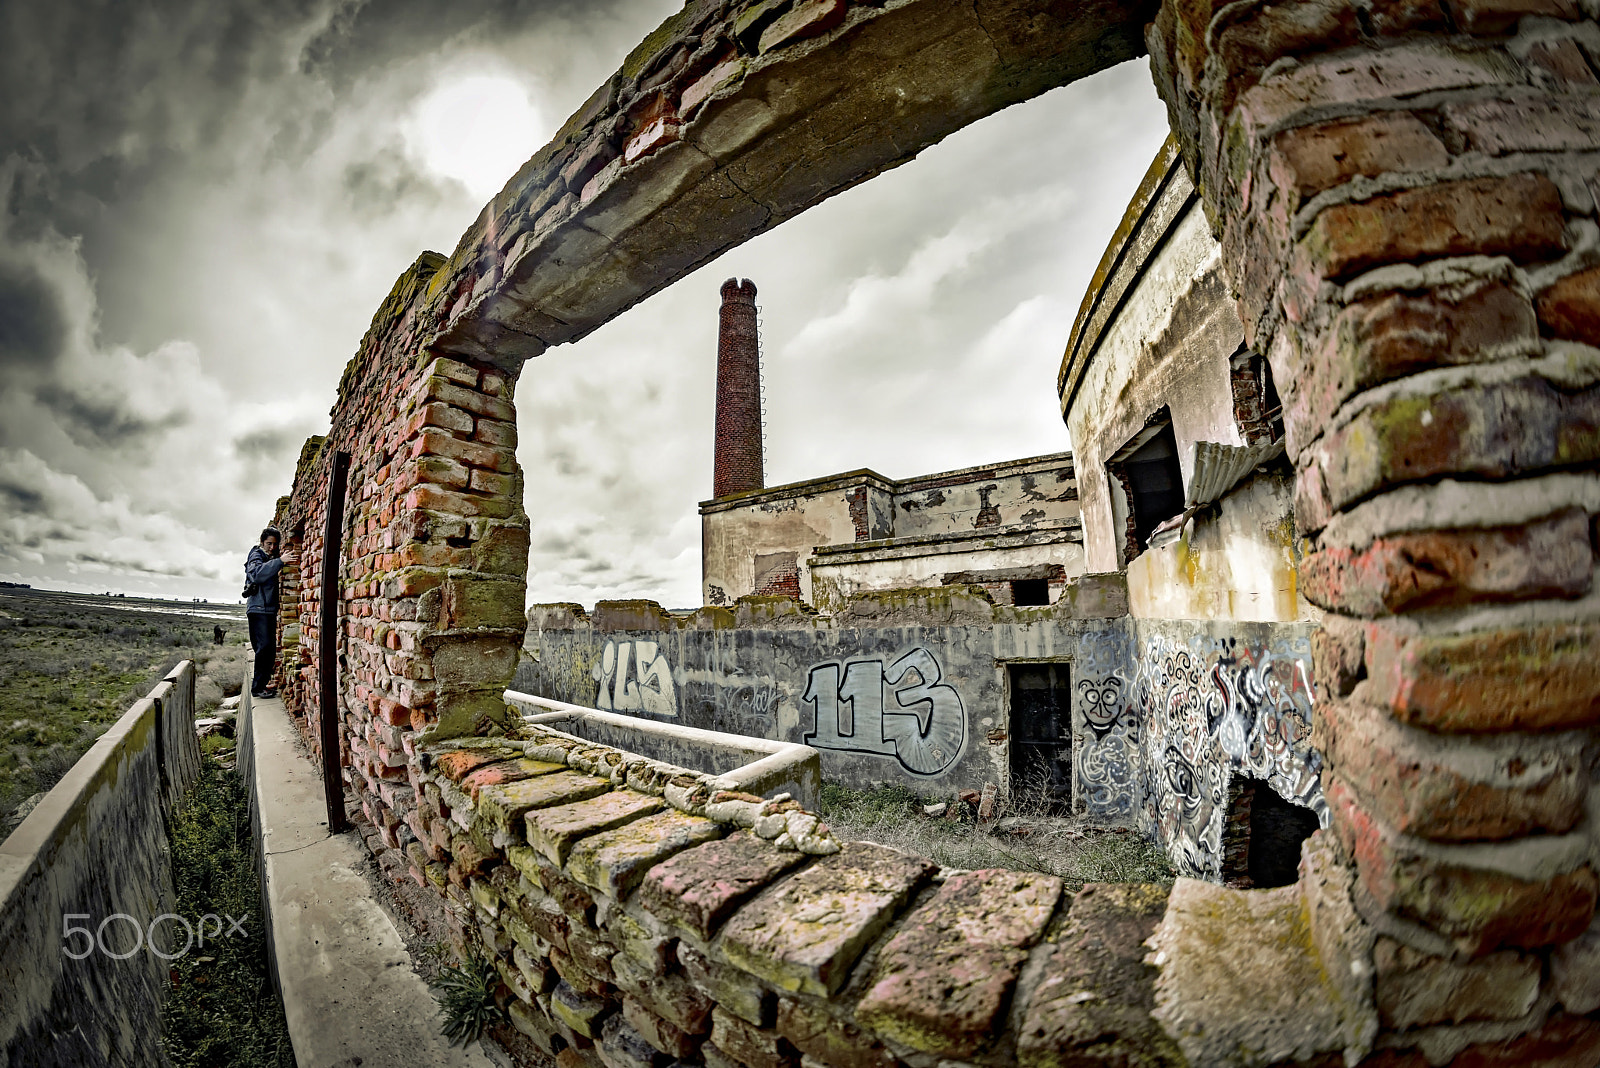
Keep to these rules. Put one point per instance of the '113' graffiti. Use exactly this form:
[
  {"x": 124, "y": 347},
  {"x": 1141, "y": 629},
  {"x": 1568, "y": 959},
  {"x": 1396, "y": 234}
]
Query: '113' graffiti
[{"x": 924, "y": 726}]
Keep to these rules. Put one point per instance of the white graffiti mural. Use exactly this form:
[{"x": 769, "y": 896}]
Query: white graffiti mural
[
  {"x": 1212, "y": 709},
  {"x": 635, "y": 677},
  {"x": 904, "y": 710}
]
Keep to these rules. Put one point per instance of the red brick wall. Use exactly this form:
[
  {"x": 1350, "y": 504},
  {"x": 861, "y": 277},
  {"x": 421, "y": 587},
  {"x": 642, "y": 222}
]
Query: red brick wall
[
  {"x": 1405, "y": 195},
  {"x": 434, "y": 555}
]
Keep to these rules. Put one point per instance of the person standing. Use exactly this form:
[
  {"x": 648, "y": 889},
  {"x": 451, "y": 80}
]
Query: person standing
[{"x": 261, "y": 569}]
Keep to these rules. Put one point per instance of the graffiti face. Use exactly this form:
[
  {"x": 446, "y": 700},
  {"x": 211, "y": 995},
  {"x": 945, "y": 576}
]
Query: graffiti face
[
  {"x": 902, "y": 711},
  {"x": 634, "y": 677}
]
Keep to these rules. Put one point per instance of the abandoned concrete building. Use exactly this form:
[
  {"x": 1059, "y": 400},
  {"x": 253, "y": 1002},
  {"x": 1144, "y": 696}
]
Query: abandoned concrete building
[
  {"x": 1334, "y": 405},
  {"x": 1011, "y": 528}
]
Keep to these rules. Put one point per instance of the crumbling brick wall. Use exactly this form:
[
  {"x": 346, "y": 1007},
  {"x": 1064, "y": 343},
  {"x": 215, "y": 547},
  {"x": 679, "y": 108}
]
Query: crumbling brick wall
[
  {"x": 1405, "y": 196},
  {"x": 434, "y": 554}
]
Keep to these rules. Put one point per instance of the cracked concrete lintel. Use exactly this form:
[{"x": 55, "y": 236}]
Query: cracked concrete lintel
[
  {"x": 349, "y": 991},
  {"x": 824, "y": 84}
]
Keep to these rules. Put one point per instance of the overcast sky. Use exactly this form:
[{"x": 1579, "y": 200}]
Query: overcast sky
[{"x": 206, "y": 201}]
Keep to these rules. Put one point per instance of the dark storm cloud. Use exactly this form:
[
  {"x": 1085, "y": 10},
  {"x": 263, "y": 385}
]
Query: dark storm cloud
[
  {"x": 32, "y": 326},
  {"x": 269, "y": 443},
  {"x": 93, "y": 421},
  {"x": 23, "y": 499}
]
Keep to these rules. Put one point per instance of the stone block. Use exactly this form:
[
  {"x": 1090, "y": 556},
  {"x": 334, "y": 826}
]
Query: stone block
[
  {"x": 582, "y": 1013},
  {"x": 1097, "y": 984},
  {"x": 622, "y": 1046},
  {"x": 496, "y": 432},
  {"x": 752, "y": 1046},
  {"x": 578, "y": 978},
  {"x": 829, "y": 1040},
  {"x": 942, "y": 983},
  {"x": 1309, "y": 160},
  {"x": 1562, "y": 1042},
  {"x": 506, "y": 771},
  {"x": 473, "y": 601},
  {"x": 701, "y": 887},
  {"x": 1519, "y": 678},
  {"x": 553, "y": 830},
  {"x": 1404, "y": 572},
  {"x": 501, "y": 810},
  {"x": 1479, "y": 908},
  {"x": 456, "y": 764},
  {"x": 615, "y": 861},
  {"x": 1239, "y": 970},
  {"x": 1454, "y": 788},
  {"x": 590, "y": 952},
  {"x": 1520, "y": 216},
  {"x": 1497, "y": 430},
  {"x": 436, "y": 499},
  {"x": 1385, "y": 337},
  {"x": 808, "y": 18},
  {"x": 531, "y": 1022},
  {"x": 668, "y": 993},
  {"x": 476, "y": 662},
  {"x": 1570, "y": 307},
  {"x": 1575, "y": 972},
  {"x": 441, "y": 390},
  {"x": 805, "y": 934},
  {"x": 441, "y": 416},
  {"x": 1414, "y": 989},
  {"x": 664, "y": 1036},
  {"x": 728, "y": 987}
]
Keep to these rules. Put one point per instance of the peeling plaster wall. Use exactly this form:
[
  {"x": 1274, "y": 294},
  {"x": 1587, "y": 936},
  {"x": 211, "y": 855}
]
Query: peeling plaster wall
[
  {"x": 1161, "y": 333},
  {"x": 894, "y": 534}
]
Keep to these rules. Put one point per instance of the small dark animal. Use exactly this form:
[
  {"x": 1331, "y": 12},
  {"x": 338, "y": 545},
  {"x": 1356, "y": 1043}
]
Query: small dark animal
[{"x": 217, "y": 634}]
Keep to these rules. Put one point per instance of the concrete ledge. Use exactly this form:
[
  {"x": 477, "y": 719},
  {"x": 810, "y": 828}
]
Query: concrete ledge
[{"x": 349, "y": 992}]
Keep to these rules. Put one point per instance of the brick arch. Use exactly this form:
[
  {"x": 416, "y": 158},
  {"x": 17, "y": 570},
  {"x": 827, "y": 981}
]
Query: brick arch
[{"x": 1415, "y": 163}]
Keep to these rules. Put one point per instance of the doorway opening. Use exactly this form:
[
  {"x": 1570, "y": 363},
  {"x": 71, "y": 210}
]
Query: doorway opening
[
  {"x": 1041, "y": 736},
  {"x": 1262, "y": 836}
]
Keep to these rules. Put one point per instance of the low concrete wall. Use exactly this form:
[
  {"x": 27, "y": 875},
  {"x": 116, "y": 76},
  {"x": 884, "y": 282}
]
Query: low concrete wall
[
  {"x": 912, "y": 686},
  {"x": 94, "y": 849}
]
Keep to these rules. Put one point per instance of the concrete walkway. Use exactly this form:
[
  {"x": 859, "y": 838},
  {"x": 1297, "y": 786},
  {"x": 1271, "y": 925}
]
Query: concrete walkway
[{"x": 349, "y": 991}]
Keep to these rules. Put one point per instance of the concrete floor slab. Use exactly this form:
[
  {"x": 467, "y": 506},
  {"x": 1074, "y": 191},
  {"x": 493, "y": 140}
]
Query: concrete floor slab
[{"x": 349, "y": 990}]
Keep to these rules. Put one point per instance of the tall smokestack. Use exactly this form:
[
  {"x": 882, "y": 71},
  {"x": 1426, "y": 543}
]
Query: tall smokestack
[{"x": 738, "y": 454}]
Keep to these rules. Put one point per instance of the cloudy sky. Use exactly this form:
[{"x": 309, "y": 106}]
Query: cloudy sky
[{"x": 205, "y": 202}]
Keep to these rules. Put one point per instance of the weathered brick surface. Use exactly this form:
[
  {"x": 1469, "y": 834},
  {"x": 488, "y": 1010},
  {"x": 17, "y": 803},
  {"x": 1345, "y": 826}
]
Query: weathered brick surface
[
  {"x": 806, "y": 933},
  {"x": 1479, "y": 909},
  {"x": 755, "y": 1047},
  {"x": 1521, "y": 678},
  {"x": 1312, "y": 159},
  {"x": 941, "y": 984},
  {"x": 616, "y": 860},
  {"x": 701, "y": 887},
  {"x": 1448, "y": 789},
  {"x": 553, "y": 830},
  {"x": 1546, "y": 558},
  {"x": 1414, "y": 989},
  {"x": 1093, "y": 1005},
  {"x": 1377, "y": 340},
  {"x": 660, "y": 1034},
  {"x": 826, "y": 1038}
]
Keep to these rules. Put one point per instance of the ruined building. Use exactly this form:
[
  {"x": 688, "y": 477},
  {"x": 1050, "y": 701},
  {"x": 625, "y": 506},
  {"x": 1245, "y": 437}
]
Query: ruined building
[{"x": 1371, "y": 246}]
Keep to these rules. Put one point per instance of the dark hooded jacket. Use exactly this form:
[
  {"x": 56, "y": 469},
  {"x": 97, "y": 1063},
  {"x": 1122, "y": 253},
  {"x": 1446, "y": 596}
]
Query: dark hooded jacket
[{"x": 262, "y": 570}]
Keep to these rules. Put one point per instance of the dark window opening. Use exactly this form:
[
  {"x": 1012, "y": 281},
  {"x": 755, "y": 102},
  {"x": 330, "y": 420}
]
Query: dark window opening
[
  {"x": 1256, "y": 405},
  {"x": 1030, "y": 593},
  {"x": 1261, "y": 839},
  {"x": 1151, "y": 479},
  {"x": 1041, "y": 737}
]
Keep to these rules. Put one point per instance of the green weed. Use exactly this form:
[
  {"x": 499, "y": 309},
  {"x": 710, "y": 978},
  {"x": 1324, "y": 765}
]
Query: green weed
[{"x": 221, "y": 1011}]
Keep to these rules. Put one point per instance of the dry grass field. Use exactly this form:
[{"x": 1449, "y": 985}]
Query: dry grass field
[{"x": 71, "y": 664}]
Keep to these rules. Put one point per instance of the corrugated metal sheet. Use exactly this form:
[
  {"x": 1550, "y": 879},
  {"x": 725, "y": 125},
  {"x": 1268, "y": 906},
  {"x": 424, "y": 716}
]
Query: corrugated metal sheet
[{"x": 1219, "y": 468}]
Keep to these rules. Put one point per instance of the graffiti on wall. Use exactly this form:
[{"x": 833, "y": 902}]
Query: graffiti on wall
[
  {"x": 1210, "y": 709},
  {"x": 904, "y": 710},
  {"x": 1106, "y": 752},
  {"x": 635, "y": 677}
]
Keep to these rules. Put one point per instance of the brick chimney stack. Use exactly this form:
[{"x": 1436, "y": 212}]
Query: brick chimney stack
[{"x": 738, "y": 453}]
